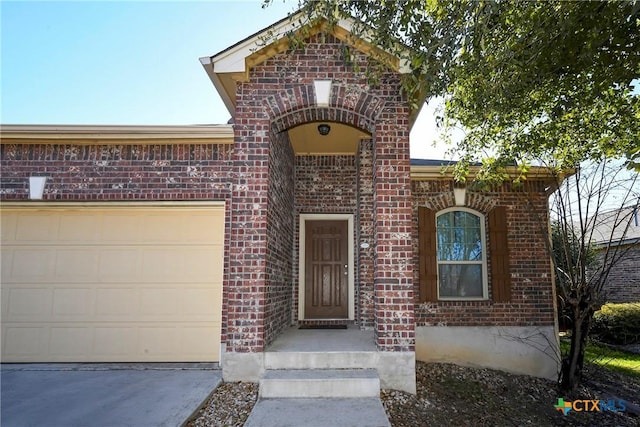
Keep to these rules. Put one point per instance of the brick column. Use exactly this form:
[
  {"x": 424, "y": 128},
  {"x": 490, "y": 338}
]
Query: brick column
[
  {"x": 248, "y": 237},
  {"x": 393, "y": 281},
  {"x": 365, "y": 226}
]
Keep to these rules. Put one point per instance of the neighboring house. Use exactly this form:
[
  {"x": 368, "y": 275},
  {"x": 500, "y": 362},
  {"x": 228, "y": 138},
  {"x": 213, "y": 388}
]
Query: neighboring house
[
  {"x": 195, "y": 243},
  {"x": 616, "y": 234}
]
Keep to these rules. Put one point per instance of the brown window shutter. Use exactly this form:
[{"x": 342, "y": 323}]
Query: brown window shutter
[
  {"x": 500, "y": 277},
  {"x": 427, "y": 253}
]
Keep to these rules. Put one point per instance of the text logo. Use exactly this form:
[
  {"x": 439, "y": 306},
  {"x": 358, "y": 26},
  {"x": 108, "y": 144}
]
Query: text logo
[{"x": 589, "y": 405}]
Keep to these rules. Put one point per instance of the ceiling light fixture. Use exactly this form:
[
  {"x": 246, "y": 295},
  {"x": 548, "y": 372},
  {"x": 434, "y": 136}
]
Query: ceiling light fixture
[{"x": 324, "y": 129}]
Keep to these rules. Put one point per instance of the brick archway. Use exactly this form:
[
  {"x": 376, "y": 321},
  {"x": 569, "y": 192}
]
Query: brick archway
[
  {"x": 281, "y": 94},
  {"x": 348, "y": 104}
]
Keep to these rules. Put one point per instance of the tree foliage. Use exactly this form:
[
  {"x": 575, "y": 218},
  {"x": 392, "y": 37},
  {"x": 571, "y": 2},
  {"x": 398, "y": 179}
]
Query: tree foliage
[{"x": 526, "y": 80}]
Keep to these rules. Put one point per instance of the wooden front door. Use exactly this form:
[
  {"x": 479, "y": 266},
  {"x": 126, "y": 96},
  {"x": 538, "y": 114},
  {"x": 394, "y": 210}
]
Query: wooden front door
[{"x": 326, "y": 270}]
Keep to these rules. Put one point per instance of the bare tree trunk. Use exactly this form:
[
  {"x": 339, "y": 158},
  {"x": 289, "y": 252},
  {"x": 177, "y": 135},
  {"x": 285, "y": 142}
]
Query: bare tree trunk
[{"x": 571, "y": 370}]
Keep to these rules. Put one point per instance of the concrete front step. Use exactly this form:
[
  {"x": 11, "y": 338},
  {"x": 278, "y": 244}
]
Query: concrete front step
[
  {"x": 321, "y": 360},
  {"x": 363, "y": 412},
  {"x": 320, "y": 383}
]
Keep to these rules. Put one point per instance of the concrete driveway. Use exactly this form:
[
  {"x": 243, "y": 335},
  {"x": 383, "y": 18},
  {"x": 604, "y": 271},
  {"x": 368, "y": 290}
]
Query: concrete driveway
[{"x": 103, "y": 395}]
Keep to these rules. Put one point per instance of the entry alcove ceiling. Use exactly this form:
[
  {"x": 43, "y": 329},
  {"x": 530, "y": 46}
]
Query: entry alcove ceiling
[{"x": 341, "y": 140}]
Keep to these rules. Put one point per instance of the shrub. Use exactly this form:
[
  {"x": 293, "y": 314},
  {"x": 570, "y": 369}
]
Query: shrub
[{"x": 617, "y": 324}]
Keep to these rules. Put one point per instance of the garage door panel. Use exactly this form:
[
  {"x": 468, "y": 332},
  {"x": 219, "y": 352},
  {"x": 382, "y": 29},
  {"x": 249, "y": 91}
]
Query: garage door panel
[
  {"x": 36, "y": 227},
  {"x": 77, "y": 265},
  {"x": 25, "y": 343},
  {"x": 120, "y": 264},
  {"x": 108, "y": 284},
  {"x": 117, "y": 228},
  {"x": 70, "y": 342},
  {"x": 179, "y": 263},
  {"x": 161, "y": 302},
  {"x": 73, "y": 303},
  {"x": 162, "y": 265},
  {"x": 27, "y": 264},
  {"x": 198, "y": 302},
  {"x": 158, "y": 341},
  {"x": 191, "y": 340},
  {"x": 76, "y": 227},
  {"x": 174, "y": 230},
  {"x": 8, "y": 228},
  {"x": 29, "y": 303},
  {"x": 118, "y": 303},
  {"x": 115, "y": 341},
  {"x": 198, "y": 262}
]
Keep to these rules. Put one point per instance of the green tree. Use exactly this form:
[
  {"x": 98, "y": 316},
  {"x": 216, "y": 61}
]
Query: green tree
[{"x": 526, "y": 80}]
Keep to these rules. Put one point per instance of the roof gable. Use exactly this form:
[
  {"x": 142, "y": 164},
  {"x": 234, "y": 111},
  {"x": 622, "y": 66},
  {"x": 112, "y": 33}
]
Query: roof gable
[{"x": 232, "y": 65}]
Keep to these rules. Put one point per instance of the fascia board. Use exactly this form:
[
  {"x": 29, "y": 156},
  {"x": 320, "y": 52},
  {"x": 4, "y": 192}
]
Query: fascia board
[
  {"x": 421, "y": 173},
  {"x": 56, "y": 133},
  {"x": 233, "y": 60},
  {"x": 217, "y": 83}
]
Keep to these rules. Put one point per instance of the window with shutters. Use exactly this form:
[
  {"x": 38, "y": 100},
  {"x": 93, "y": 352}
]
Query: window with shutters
[
  {"x": 453, "y": 255},
  {"x": 460, "y": 254}
]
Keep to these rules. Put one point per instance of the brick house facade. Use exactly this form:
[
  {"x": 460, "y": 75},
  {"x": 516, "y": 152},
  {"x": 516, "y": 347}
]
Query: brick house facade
[
  {"x": 616, "y": 235},
  {"x": 273, "y": 189},
  {"x": 623, "y": 283}
]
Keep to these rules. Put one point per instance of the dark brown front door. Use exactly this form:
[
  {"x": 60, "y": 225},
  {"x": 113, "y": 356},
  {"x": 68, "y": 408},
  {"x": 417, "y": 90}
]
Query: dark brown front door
[{"x": 326, "y": 270}]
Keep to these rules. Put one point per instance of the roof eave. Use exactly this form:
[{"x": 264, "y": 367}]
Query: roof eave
[
  {"x": 441, "y": 172},
  {"x": 234, "y": 61},
  {"x": 227, "y": 98},
  {"x": 123, "y": 134}
]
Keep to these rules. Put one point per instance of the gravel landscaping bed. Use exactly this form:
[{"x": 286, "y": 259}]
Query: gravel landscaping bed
[
  {"x": 229, "y": 405},
  {"x": 451, "y": 395}
]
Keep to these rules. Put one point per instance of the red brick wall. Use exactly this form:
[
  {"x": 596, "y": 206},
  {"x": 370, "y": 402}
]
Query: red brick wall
[
  {"x": 365, "y": 234},
  {"x": 393, "y": 272},
  {"x": 623, "y": 283},
  {"x": 117, "y": 172},
  {"x": 280, "y": 95},
  {"x": 531, "y": 284},
  {"x": 246, "y": 279},
  {"x": 280, "y": 229}
]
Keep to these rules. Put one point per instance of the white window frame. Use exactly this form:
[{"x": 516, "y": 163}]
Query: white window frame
[{"x": 483, "y": 241}]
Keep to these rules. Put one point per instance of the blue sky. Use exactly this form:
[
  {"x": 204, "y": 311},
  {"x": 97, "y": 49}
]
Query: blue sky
[{"x": 131, "y": 62}]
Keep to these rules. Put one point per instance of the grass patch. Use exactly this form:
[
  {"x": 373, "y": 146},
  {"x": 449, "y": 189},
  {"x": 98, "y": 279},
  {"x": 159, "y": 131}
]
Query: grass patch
[{"x": 609, "y": 358}]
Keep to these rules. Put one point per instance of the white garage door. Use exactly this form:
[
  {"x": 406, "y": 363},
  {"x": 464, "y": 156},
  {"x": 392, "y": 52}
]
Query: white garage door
[{"x": 104, "y": 283}]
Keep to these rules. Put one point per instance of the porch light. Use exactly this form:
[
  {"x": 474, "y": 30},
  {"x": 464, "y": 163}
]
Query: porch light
[
  {"x": 36, "y": 187},
  {"x": 460, "y": 195},
  {"x": 324, "y": 129}
]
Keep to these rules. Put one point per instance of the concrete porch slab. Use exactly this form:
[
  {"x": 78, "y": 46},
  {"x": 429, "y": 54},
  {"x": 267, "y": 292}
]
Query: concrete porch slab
[
  {"x": 366, "y": 412},
  {"x": 324, "y": 340}
]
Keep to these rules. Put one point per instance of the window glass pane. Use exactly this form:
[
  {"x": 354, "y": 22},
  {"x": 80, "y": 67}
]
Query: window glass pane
[
  {"x": 458, "y": 237},
  {"x": 473, "y": 251},
  {"x": 460, "y": 280}
]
